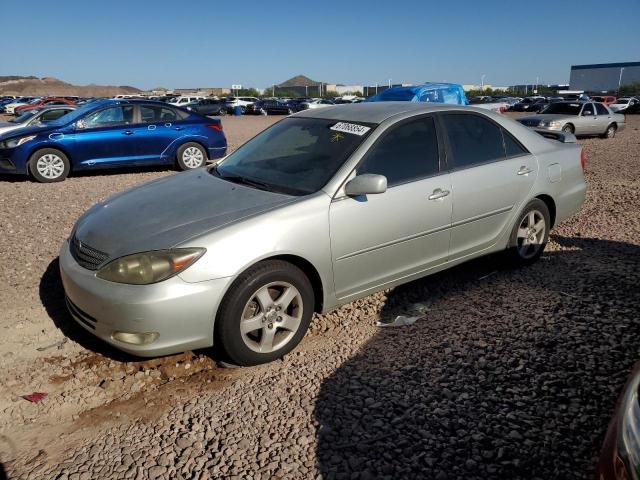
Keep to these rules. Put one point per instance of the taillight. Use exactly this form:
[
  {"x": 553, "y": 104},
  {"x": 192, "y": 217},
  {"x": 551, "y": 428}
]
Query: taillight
[
  {"x": 501, "y": 109},
  {"x": 215, "y": 126},
  {"x": 582, "y": 158}
]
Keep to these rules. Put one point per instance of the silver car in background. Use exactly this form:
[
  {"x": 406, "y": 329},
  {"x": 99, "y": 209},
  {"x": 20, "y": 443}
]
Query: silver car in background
[
  {"x": 36, "y": 117},
  {"x": 324, "y": 207},
  {"x": 578, "y": 118}
]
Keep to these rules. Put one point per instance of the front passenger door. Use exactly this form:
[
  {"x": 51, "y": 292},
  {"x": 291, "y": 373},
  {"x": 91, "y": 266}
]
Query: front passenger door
[
  {"x": 377, "y": 239},
  {"x": 588, "y": 121}
]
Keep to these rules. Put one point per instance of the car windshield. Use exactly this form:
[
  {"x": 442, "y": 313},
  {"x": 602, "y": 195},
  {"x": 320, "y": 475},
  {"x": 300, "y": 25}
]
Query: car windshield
[
  {"x": 563, "y": 109},
  {"x": 24, "y": 117},
  {"x": 73, "y": 115},
  {"x": 296, "y": 156}
]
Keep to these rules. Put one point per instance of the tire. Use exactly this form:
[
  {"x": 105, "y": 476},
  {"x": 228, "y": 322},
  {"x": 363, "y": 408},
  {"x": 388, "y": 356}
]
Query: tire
[
  {"x": 49, "y": 165},
  {"x": 191, "y": 155},
  {"x": 568, "y": 128},
  {"x": 290, "y": 112},
  {"x": 278, "y": 327},
  {"x": 610, "y": 132},
  {"x": 263, "y": 111},
  {"x": 526, "y": 245},
  {"x": 222, "y": 112}
]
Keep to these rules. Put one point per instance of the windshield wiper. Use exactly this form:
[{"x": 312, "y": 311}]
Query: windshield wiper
[{"x": 242, "y": 180}]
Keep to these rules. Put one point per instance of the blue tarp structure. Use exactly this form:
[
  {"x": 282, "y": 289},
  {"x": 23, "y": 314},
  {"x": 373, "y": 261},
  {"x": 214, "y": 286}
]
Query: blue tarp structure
[{"x": 429, "y": 92}]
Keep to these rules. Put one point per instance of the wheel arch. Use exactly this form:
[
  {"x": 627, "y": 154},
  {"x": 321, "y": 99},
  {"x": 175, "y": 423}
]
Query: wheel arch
[
  {"x": 54, "y": 146},
  {"x": 551, "y": 205}
]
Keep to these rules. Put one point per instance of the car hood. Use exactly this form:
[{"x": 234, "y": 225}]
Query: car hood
[{"x": 166, "y": 212}]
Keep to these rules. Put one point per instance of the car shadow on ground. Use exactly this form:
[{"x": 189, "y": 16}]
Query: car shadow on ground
[
  {"x": 97, "y": 173},
  {"x": 509, "y": 374}
]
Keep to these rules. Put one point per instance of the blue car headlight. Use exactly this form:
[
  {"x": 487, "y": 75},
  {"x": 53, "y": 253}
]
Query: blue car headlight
[{"x": 16, "y": 141}]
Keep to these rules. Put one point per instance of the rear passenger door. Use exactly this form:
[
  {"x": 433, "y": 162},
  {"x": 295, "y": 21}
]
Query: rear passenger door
[
  {"x": 602, "y": 118},
  {"x": 491, "y": 177},
  {"x": 156, "y": 132}
]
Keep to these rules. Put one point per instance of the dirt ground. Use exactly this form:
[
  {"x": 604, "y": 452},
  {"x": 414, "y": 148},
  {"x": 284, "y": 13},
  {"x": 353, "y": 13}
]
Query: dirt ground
[{"x": 506, "y": 374}]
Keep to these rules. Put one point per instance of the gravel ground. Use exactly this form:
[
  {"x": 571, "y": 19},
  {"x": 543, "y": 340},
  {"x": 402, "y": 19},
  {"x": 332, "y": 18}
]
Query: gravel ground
[{"x": 507, "y": 374}]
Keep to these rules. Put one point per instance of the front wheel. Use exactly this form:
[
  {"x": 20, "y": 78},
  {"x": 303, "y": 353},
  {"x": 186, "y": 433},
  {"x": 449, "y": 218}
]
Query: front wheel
[
  {"x": 49, "y": 165},
  {"x": 530, "y": 234},
  {"x": 191, "y": 155},
  {"x": 568, "y": 128},
  {"x": 265, "y": 314}
]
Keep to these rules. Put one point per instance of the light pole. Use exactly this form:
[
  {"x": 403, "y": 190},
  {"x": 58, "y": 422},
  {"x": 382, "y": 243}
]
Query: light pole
[
  {"x": 482, "y": 83},
  {"x": 389, "y": 83},
  {"x": 620, "y": 80}
]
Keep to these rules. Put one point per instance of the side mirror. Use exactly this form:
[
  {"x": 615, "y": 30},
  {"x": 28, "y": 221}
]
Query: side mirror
[
  {"x": 80, "y": 125},
  {"x": 366, "y": 184}
]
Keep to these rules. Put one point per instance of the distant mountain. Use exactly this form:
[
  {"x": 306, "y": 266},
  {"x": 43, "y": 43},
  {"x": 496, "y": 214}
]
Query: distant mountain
[
  {"x": 299, "y": 81},
  {"x": 19, "y": 85}
]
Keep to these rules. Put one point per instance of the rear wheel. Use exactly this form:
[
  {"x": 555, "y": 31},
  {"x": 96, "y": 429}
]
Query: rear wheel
[
  {"x": 265, "y": 314},
  {"x": 49, "y": 165},
  {"x": 191, "y": 155},
  {"x": 530, "y": 234},
  {"x": 610, "y": 132}
]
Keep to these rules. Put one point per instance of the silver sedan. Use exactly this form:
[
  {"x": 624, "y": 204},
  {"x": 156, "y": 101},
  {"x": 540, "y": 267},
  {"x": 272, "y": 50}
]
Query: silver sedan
[
  {"x": 578, "y": 118},
  {"x": 322, "y": 208}
]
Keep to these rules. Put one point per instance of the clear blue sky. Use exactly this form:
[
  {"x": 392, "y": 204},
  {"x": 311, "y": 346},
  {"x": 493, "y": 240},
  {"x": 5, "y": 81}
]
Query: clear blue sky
[{"x": 211, "y": 43}]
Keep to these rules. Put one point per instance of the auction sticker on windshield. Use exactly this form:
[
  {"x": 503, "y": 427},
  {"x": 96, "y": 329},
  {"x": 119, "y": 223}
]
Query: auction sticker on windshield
[{"x": 352, "y": 128}]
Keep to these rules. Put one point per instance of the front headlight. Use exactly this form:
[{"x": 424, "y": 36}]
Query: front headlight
[
  {"x": 16, "y": 142},
  {"x": 149, "y": 267}
]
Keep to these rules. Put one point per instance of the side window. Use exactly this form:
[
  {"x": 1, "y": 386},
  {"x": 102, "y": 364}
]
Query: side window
[
  {"x": 511, "y": 145},
  {"x": 587, "y": 110},
  {"x": 405, "y": 153},
  {"x": 601, "y": 109},
  {"x": 473, "y": 140},
  {"x": 149, "y": 114},
  {"x": 110, "y": 117}
]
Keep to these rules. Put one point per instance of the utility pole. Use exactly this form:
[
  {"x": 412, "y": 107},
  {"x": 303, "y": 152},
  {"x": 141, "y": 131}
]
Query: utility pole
[
  {"x": 620, "y": 80},
  {"x": 482, "y": 83}
]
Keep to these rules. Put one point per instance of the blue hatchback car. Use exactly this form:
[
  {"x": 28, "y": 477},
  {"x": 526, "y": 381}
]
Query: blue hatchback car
[{"x": 112, "y": 133}]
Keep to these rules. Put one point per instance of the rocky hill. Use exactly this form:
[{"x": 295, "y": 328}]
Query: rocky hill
[{"x": 18, "y": 85}]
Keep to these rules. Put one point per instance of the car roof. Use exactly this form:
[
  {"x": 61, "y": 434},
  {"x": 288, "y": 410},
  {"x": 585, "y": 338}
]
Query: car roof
[{"x": 378, "y": 112}]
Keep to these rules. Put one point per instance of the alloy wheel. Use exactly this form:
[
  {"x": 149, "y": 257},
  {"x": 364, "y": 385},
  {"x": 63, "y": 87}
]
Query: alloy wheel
[
  {"x": 271, "y": 317},
  {"x": 531, "y": 234}
]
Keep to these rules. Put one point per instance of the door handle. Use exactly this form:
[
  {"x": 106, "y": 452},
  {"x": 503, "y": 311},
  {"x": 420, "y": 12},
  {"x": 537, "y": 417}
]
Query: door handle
[
  {"x": 524, "y": 170},
  {"x": 439, "y": 193},
  {"x": 127, "y": 132},
  {"x": 179, "y": 128}
]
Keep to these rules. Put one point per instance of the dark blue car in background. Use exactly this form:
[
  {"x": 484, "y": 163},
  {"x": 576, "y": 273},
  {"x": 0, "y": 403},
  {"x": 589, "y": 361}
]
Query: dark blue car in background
[{"x": 112, "y": 133}]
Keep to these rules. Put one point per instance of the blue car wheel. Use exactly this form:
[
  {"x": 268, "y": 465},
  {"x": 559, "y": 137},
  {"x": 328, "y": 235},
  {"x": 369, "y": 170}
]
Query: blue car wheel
[{"x": 49, "y": 165}]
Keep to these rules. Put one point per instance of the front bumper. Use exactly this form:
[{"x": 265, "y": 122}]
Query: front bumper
[{"x": 181, "y": 313}]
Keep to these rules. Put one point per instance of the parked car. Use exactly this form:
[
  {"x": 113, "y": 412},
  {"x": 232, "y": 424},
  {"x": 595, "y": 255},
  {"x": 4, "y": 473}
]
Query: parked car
[
  {"x": 110, "y": 134},
  {"x": 315, "y": 103},
  {"x": 605, "y": 99},
  {"x": 620, "y": 456},
  {"x": 451, "y": 93},
  {"x": 42, "y": 103},
  {"x": 300, "y": 219},
  {"x": 241, "y": 102},
  {"x": 623, "y": 104},
  {"x": 258, "y": 108},
  {"x": 530, "y": 104},
  {"x": 18, "y": 102},
  {"x": 208, "y": 106},
  {"x": 41, "y": 116},
  {"x": 579, "y": 118},
  {"x": 184, "y": 100}
]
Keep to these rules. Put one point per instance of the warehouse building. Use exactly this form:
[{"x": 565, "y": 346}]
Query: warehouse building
[{"x": 604, "y": 77}]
